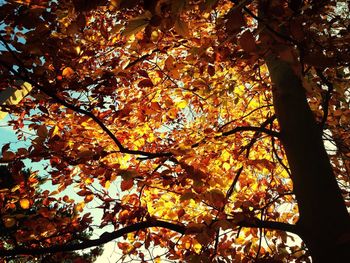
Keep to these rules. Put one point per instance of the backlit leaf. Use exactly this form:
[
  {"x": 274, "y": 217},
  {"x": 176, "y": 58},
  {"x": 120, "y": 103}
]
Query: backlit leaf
[
  {"x": 126, "y": 184},
  {"x": 181, "y": 28},
  {"x": 24, "y": 203},
  {"x": 134, "y": 26},
  {"x": 68, "y": 72}
]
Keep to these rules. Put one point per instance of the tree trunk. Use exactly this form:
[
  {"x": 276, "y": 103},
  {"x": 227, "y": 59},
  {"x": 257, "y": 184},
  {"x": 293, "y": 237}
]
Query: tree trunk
[{"x": 324, "y": 221}]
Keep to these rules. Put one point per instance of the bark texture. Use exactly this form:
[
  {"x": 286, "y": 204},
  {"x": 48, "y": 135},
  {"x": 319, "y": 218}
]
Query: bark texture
[{"x": 324, "y": 222}]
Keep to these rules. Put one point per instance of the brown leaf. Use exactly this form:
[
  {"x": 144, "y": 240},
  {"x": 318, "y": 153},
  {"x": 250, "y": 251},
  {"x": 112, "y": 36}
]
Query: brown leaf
[
  {"x": 134, "y": 26},
  {"x": 235, "y": 21},
  {"x": 145, "y": 83},
  {"x": 211, "y": 70},
  {"x": 177, "y": 6},
  {"x": 247, "y": 41},
  {"x": 42, "y": 131},
  {"x": 169, "y": 63},
  {"x": 181, "y": 28},
  {"x": 5, "y": 147},
  {"x": 126, "y": 184},
  {"x": 8, "y": 156},
  {"x": 296, "y": 30}
]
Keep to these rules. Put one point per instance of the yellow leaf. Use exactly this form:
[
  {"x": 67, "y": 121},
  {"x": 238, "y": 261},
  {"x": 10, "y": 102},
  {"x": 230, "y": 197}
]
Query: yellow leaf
[
  {"x": 172, "y": 113},
  {"x": 54, "y": 132},
  {"x": 79, "y": 207},
  {"x": 182, "y": 104},
  {"x": 197, "y": 247},
  {"x": 12, "y": 96},
  {"x": 88, "y": 181},
  {"x": 24, "y": 203},
  {"x": 225, "y": 155}
]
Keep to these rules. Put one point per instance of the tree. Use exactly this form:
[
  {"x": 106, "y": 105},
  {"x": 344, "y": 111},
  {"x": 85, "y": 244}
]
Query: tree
[{"x": 209, "y": 118}]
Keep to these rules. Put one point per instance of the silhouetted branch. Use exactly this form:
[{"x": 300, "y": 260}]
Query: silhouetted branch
[
  {"x": 257, "y": 223},
  {"x": 327, "y": 97},
  {"x": 104, "y": 238},
  {"x": 109, "y": 236},
  {"x": 241, "y": 129}
]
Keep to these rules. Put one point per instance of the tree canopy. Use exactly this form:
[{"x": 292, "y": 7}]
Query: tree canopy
[{"x": 210, "y": 129}]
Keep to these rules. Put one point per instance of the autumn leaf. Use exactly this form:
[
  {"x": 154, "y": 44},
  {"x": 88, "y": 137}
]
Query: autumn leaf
[
  {"x": 247, "y": 41},
  {"x": 126, "y": 184},
  {"x": 215, "y": 197},
  {"x": 135, "y": 25},
  {"x": 79, "y": 207},
  {"x": 181, "y": 28},
  {"x": 42, "y": 131},
  {"x": 88, "y": 198},
  {"x": 169, "y": 63},
  {"x": 194, "y": 228},
  {"x": 24, "y": 203},
  {"x": 181, "y": 212},
  {"x": 145, "y": 83},
  {"x": 9, "y": 222},
  {"x": 68, "y": 72},
  {"x": 8, "y": 156},
  {"x": 235, "y": 21}
]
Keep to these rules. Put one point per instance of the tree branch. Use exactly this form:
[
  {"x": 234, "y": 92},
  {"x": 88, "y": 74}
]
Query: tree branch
[
  {"x": 257, "y": 223},
  {"x": 240, "y": 129},
  {"x": 107, "y": 236},
  {"x": 104, "y": 238},
  {"x": 252, "y": 128},
  {"x": 327, "y": 97}
]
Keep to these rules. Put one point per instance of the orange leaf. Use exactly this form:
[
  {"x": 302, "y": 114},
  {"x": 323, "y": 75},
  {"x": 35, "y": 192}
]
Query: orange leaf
[
  {"x": 79, "y": 207},
  {"x": 68, "y": 72},
  {"x": 24, "y": 203},
  {"x": 88, "y": 198},
  {"x": 169, "y": 63}
]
